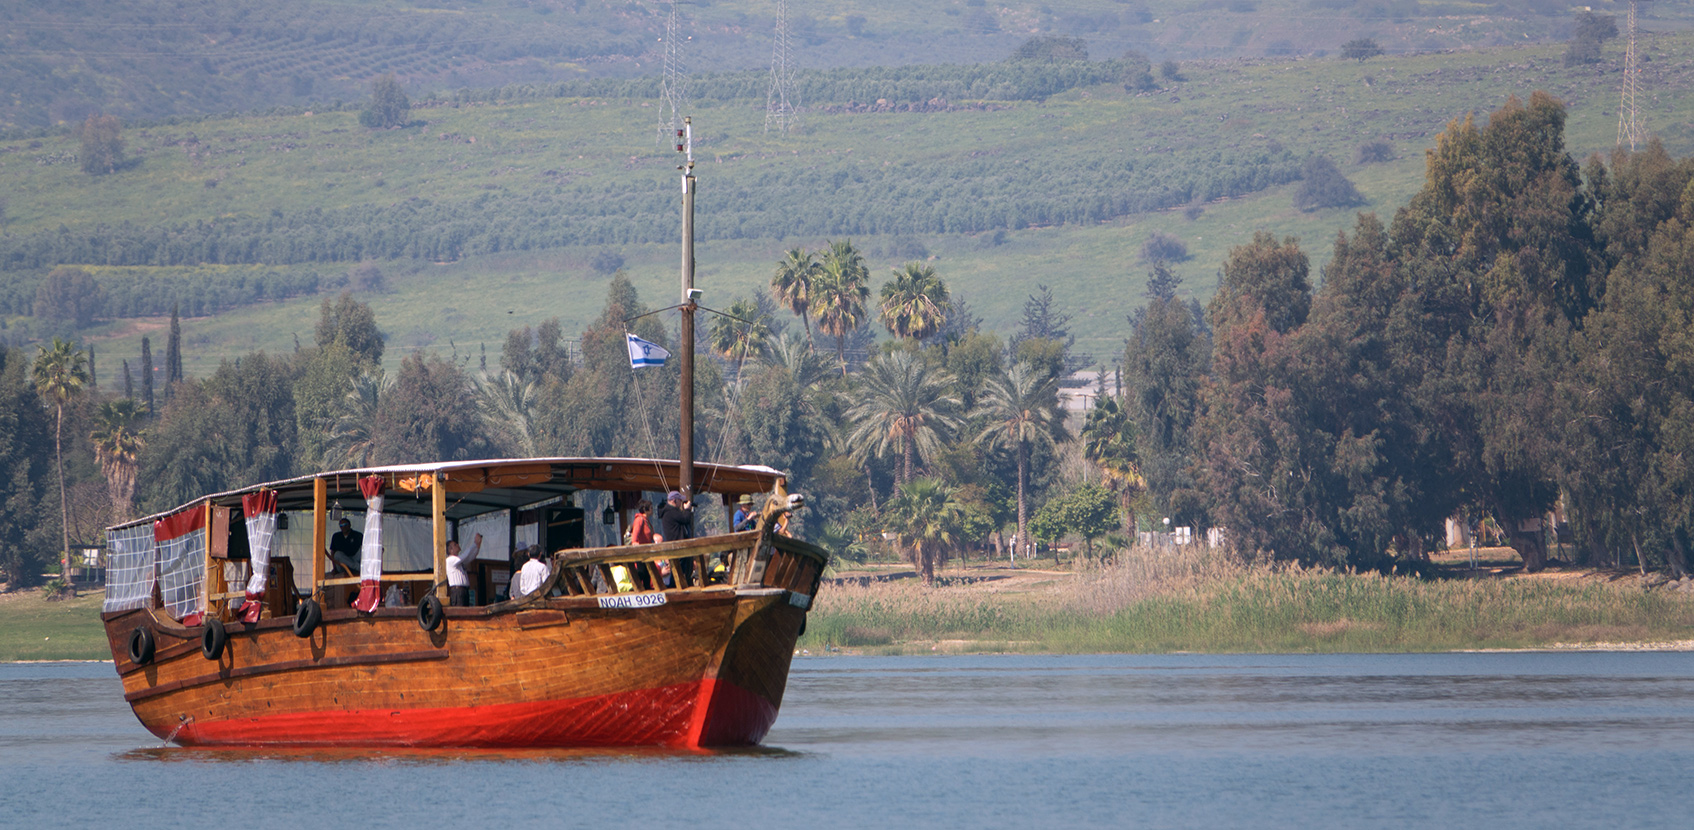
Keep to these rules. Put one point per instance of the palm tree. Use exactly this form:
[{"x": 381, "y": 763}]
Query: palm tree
[
  {"x": 60, "y": 373},
  {"x": 796, "y": 357},
  {"x": 507, "y": 405},
  {"x": 902, "y": 405},
  {"x": 792, "y": 284},
  {"x": 1022, "y": 408},
  {"x": 927, "y": 516},
  {"x": 1108, "y": 440},
  {"x": 838, "y": 295},
  {"x": 117, "y": 446},
  {"x": 734, "y": 339},
  {"x": 352, "y": 441},
  {"x": 914, "y": 302}
]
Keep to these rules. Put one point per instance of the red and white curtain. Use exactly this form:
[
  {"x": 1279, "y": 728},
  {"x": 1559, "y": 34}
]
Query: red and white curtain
[
  {"x": 260, "y": 509},
  {"x": 180, "y": 539},
  {"x": 370, "y": 554}
]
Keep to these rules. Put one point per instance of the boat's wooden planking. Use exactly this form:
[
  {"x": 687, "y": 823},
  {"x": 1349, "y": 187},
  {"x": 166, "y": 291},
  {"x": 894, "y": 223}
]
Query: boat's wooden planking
[{"x": 694, "y": 661}]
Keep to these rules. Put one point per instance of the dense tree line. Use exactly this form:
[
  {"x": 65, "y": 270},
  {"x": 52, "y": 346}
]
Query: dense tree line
[{"x": 1514, "y": 341}]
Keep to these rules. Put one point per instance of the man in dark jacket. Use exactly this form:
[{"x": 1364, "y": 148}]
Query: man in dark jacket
[{"x": 676, "y": 518}]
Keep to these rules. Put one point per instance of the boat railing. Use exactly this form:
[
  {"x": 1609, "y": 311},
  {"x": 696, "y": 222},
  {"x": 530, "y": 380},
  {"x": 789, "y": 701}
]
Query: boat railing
[{"x": 750, "y": 558}]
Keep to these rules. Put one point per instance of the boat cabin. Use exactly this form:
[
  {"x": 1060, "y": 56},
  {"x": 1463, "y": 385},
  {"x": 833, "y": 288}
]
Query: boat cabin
[{"x": 199, "y": 559}]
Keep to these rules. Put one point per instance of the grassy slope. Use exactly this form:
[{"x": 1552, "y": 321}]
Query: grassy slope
[
  {"x": 154, "y": 58},
  {"x": 1317, "y": 105},
  {"x": 34, "y": 629}
]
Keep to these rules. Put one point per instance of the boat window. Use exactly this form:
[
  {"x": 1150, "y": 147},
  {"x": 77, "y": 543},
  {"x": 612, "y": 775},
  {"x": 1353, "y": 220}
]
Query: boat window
[{"x": 129, "y": 568}]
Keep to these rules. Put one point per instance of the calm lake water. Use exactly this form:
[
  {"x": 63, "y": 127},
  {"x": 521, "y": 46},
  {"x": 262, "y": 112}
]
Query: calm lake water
[{"x": 1307, "y": 741}]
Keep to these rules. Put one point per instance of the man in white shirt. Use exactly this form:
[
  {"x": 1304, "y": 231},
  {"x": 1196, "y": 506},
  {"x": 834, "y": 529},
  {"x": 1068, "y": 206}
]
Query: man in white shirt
[
  {"x": 458, "y": 580},
  {"x": 533, "y": 573}
]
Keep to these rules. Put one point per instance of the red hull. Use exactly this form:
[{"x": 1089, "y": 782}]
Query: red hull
[{"x": 687, "y": 715}]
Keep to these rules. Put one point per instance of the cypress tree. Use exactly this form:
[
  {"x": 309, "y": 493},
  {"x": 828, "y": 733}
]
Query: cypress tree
[
  {"x": 93, "y": 376},
  {"x": 129, "y": 383},
  {"x": 147, "y": 373},
  {"x": 173, "y": 352}
]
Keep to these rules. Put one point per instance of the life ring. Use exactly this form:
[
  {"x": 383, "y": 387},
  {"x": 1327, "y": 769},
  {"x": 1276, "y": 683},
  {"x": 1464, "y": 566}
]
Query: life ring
[
  {"x": 430, "y": 613},
  {"x": 213, "y": 639},
  {"x": 141, "y": 646},
  {"x": 306, "y": 619}
]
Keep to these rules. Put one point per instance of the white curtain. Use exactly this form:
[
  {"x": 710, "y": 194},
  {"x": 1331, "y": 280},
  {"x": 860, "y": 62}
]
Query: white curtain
[
  {"x": 260, "y": 509},
  {"x": 370, "y": 554}
]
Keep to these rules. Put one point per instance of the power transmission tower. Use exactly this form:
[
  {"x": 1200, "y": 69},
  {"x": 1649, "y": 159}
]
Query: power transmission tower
[
  {"x": 673, "y": 90},
  {"x": 781, "y": 101},
  {"x": 1630, "y": 127}
]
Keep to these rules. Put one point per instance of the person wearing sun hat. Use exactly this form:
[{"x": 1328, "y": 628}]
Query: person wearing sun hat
[{"x": 745, "y": 516}]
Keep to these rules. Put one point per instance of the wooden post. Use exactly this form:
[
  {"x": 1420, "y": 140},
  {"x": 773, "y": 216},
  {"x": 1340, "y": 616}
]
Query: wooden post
[
  {"x": 206, "y": 575},
  {"x": 320, "y": 528},
  {"x": 438, "y": 512}
]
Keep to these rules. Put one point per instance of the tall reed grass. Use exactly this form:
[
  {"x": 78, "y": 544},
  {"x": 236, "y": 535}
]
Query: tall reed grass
[{"x": 1154, "y": 601}]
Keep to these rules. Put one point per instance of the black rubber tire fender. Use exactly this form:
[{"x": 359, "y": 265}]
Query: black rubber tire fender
[
  {"x": 307, "y": 618},
  {"x": 141, "y": 646},
  {"x": 213, "y": 639},
  {"x": 430, "y": 613}
]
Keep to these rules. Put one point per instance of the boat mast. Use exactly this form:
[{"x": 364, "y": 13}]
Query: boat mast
[{"x": 690, "y": 302}]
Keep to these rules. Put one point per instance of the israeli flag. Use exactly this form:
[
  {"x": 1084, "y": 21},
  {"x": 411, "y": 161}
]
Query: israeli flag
[{"x": 643, "y": 353}]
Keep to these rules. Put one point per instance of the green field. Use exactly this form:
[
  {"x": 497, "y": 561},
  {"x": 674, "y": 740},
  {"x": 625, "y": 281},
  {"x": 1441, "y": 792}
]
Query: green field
[
  {"x": 33, "y": 629},
  {"x": 598, "y": 157}
]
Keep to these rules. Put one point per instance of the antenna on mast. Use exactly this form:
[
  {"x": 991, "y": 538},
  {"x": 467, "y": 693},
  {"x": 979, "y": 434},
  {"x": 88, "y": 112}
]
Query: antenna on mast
[
  {"x": 781, "y": 100},
  {"x": 1630, "y": 126},
  {"x": 673, "y": 89}
]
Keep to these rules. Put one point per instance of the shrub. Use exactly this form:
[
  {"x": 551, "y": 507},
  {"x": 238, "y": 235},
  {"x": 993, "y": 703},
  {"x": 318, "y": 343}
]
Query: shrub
[
  {"x": 102, "y": 145},
  {"x": 1372, "y": 152},
  {"x": 1163, "y": 247},
  {"x": 1323, "y": 186},
  {"x": 607, "y": 262},
  {"x": 1170, "y": 71},
  {"x": 1360, "y": 49},
  {"x": 388, "y": 106}
]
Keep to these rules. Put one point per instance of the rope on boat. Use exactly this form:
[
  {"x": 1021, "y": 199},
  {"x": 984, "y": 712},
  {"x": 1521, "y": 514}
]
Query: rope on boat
[{"x": 647, "y": 422}]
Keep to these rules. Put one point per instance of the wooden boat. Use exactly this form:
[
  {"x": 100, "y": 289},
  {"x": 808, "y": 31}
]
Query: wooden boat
[
  {"x": 682, "y": 643},
  {"x": 580, "y": 662}
]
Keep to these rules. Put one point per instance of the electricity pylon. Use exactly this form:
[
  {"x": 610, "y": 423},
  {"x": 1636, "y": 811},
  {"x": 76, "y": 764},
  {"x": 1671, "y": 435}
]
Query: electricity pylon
[
  {"x": 673, "y": 90},
  {"x": 781, "y": 100},
  {"x": 1630, "y": 127}
]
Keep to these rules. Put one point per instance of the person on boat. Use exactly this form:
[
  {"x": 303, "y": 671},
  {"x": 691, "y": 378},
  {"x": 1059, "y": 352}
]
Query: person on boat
[
  {"x": 676, "y": 518},
  {"x": 344, "y": 547},
  {"x": 458, "y": 580},
  {"x": 745, "y": 516},
  {"x": 533, "y": 573},
  {"x": 641, "y": 527}
]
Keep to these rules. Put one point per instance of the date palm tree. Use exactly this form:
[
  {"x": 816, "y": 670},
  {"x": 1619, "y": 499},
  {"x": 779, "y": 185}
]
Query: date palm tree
[
  {"x": 507, "y": 403},
  {"x": 914, "y": 302},
  {"x": 1108, "y": 440},
  {"x": 839, "y": 293},
  {"x": 352, "y": 441},
  {"x": 903, "y": 406},
  {"x": 742, "y": 330},
  {"x": 927, "y": 516},
  {"x": 60, "y": 373},
  {"x": 117, "y": 446},
  {"x": 792, "y": 285},
  {"x": 1022, "y": 411}
]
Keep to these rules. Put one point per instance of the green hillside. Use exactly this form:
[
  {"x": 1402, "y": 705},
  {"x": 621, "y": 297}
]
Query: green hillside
[
  {"x": 489, "y": 214},
  {"x": 149, "y": 59}
]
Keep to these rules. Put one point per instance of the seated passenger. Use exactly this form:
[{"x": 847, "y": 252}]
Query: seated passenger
[
  {"x": 533, "y": 573},
  {"x": 344, "y": 548}
]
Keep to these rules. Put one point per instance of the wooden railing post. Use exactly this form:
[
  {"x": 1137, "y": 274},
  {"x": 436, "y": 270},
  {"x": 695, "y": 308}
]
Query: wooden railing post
[
  {"x": 438, "y": 513},
  {"x": 320, "y": 529}
]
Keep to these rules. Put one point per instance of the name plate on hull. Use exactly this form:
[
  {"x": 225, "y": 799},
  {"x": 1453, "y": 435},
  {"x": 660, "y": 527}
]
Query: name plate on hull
[{"x": 633, "y": 601}]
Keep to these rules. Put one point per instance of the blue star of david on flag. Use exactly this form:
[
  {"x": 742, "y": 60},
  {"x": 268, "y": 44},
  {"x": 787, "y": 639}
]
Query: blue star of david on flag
[{"x": 643, "y": 353}]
